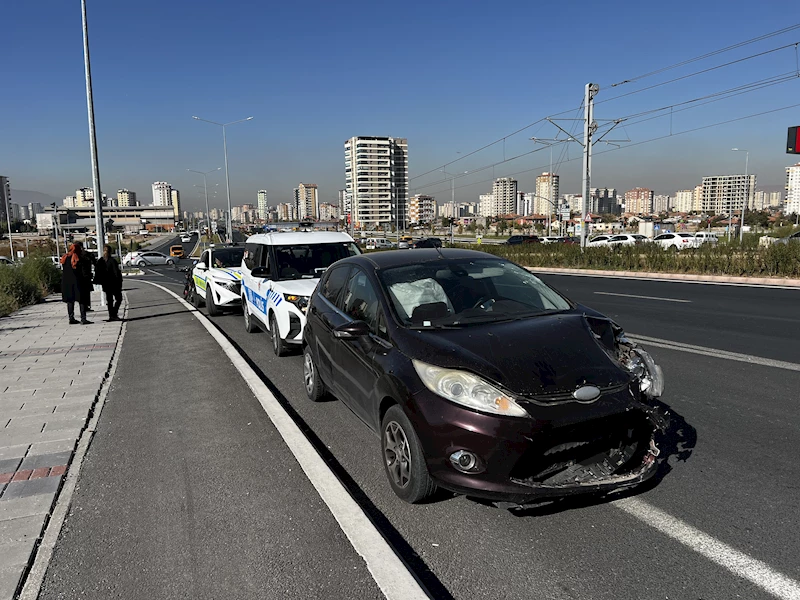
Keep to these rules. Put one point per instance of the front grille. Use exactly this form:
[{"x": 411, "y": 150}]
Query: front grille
[
  {"x": 586, "y": 452},
  {"x": 233, "y": 286}
]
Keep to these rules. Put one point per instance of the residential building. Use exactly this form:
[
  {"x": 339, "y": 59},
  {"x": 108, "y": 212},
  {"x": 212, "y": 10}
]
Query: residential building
[
  {"x": 661, "y": 203},
  {"x": 126, "y": 198},
  {"x": 775, "y": 200},
  {"x": 486, "y": 205},
  {"x": 727, "y": 194},
  {"x": 421, "y": 209},
  {"x": 575, "y": 202},
  {"x": 344, "y": 204},
  {"x": 306, "y": 200},
  {"x": 697, "y": 199},
  {"x": 760, "y": 200},
  {"x": 287, "y": 212},
  {"x": 376, "y": 180},
  {"x": 792, "y": 205},
  {"x": 34, "y": 208},
  {"x": 70, "y": 202},
  {"x": 328, "y": 212},
  {"x": 684, "y": 201},
  {"x": 162, "y": 194},
  {"x": 547, "y": 195},
  {"x": 84, "y": 197},
  {"x": 5, "y": 199},
  {"x": 175, "y": 199},
  {"x": 639, "y": 201},
  {"x": 603, "y": 200},
  {"x": 504, "y": 193},
  {"x": 525, "y": 203},
  {"x": 263, "y": 207}
]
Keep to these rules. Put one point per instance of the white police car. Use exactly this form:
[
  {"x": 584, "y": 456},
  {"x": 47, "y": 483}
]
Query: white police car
[
  {"x": 217, "y": 279},
  {"x": 279, "y": 274}
]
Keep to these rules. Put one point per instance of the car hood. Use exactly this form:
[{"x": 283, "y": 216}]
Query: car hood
[
  {"x": 539, "y": 356},
  {"x": 297, "y": 287},
  {"x": 226, "y": 274}
]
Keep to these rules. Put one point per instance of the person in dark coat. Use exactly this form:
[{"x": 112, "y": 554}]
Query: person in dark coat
[
  {"x": 108, "y": 274},
  {"x": 76, "y": 282}
]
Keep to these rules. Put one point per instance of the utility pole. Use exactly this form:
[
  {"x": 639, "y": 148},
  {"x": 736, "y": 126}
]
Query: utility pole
[
  {"x": 589, "y": 127},
  {"x": 98, "y": 196}
]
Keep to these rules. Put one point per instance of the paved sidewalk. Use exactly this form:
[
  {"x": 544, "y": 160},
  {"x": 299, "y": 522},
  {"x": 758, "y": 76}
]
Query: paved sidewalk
[{"x": 51, "y": 374}]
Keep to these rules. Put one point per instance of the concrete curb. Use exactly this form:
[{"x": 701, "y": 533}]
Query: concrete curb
[{"x": 771, "y": 281}]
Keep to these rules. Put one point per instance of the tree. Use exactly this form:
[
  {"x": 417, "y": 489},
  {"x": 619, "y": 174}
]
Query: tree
[{"x": 445, "y": 222}]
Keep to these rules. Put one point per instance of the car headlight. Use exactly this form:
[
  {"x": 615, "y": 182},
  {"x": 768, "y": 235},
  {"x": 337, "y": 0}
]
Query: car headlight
[
  {"x": 468, "y": 390},
  {"x": 642, "y": 366},
  {"x": 231, "y": 286},
  {"x": 300, "y": 302}
]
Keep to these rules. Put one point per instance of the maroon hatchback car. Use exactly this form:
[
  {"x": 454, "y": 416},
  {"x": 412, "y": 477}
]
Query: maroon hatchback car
[{"x": 481, "y": 379}]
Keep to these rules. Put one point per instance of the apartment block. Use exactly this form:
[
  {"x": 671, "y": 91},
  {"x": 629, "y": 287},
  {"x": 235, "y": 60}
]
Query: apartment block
[
  {"x": 547, "y": 194},
  {"x": 421, "y": 209},
  {"x": 306, "y": 201},
  {"x": 792, "y": 204},
  {"x": 727, "y": 194},
  {"x": 263, "y": 207},
  {"x": 639, "y": 201},
  {"x": 126, "y": 198}
]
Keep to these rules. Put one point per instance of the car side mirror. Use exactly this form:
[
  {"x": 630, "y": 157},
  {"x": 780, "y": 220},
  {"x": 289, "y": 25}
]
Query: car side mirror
[
  {"x": 202, "y": 266},
  {"x": 351, "y": 330},
  {"x": 260, "y": 272}
]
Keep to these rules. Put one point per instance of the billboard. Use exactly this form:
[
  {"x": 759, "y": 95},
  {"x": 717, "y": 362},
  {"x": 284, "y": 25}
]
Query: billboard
[{"x": 793, "y": 141}]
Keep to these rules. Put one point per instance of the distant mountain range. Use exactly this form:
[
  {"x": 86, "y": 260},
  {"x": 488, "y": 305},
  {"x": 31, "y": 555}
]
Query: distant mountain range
[{"x": 25, "y": 197}]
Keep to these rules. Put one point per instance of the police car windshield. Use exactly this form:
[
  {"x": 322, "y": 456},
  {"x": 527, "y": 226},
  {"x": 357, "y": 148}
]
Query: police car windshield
[
  {"x": 307, "y": 261},
  {"x": 227, "y": 257}
]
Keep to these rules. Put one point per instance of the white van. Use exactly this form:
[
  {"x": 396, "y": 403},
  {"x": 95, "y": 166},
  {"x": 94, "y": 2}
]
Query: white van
[
  {"x": 378, "y": 244},
  {"x": 704, "y": 237},
  {"x": 279, "y": 273}
]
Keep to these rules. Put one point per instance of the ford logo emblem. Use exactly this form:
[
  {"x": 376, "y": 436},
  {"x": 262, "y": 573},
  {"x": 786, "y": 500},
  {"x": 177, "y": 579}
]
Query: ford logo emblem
[{"x": 586, "y": 393}]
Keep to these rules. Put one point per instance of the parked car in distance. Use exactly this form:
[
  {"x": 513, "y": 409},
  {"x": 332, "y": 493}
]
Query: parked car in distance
[
  {"x": 481, "y": 379},
  {"x": 176, "y": 251},
  {"x": 627, "y": 239},
  {"x": 794, "y": 238},
  {"x": 279, "y": 273},
  {"x": 431, "y": 242},
  {"x": 599, "y": 240},
  {"x": 403, "y": 245},
  {"x": 677, "y": 241},
  {"x": 706, "y": 237},
  {"x": 522, "y": 239},
  {"x": 378, "y": 244},
  {"x": 147, "y": 259},
  {"x": 4, "y": 260},
  {"x": 552, "y": 239}
]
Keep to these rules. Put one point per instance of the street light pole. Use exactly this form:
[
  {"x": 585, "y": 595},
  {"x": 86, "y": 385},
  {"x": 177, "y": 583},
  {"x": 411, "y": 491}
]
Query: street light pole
[
  {"x": 205, "y": 188},
  {"x": 228, "y": 221},
  {"x": 452, "y": 197},
  {"x": 746, "y": 200}
]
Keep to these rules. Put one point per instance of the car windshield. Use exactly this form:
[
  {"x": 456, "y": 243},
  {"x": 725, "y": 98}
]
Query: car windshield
[
  {"x": 227, "y": 257},
  {"x": 307, "y": 261},
  {"x": 459, "y": 292}
]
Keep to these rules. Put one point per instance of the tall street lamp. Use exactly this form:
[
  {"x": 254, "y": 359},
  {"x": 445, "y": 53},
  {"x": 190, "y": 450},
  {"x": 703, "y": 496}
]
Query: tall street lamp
[
  {"x": 452, "y": 177},
  {"x": 205, "y": 188},
  {"x": 746, "y": 201},
  {"x": 228, "y": 224}
]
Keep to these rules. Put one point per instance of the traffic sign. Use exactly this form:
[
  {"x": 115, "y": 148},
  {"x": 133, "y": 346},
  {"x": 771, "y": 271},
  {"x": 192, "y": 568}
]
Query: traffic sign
[
  {"x": 588, "y": 218},
  {"x": 656, "y": 227}
]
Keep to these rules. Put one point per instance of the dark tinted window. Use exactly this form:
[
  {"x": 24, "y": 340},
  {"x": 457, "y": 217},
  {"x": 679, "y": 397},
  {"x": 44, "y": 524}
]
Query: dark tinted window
[
  {"x": 227, "y": 257},
  {"x": 308, "y": 261},
  {"x": 250, "y": 251},
  {"x": 360, "y": 300},
  {"x": 333, "y": 283}
]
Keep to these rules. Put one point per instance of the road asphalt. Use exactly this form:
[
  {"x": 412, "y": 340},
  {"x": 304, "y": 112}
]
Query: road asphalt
[{"x": 186, "y": 489}]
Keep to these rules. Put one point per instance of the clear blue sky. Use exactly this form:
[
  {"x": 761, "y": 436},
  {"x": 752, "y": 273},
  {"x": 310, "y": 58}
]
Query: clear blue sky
[{"x": 449, "y": 76}]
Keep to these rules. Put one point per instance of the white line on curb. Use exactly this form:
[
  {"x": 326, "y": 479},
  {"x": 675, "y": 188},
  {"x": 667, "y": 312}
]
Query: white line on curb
[
  {"x": 738, "y": 563},
  {"x": 387, "y": 569},
  {"x": 33, "y": 582},
  {"x": 642, "y": 297},
  {"x": 724, "y": 354}
]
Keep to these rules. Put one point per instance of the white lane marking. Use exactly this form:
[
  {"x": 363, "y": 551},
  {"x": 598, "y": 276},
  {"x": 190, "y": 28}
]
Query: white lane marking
[
  {"x": 738, "y": 563},
  {"x": 724, "y": 354},
  {"x": 642, "y": 297},
  {"x": 662, "y": 280},
  {"x": 387, "y": 569},
  {"x": 155, "y": 272}
]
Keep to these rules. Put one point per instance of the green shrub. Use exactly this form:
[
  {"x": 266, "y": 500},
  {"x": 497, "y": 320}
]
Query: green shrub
[
  {"x": 41, "y": 270},
  {"x": 16, "y": 289}
]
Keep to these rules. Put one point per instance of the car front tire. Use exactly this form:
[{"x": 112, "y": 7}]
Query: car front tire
[
  {"x": 278, "y": 345},
  {"x": 249, "y": 325},
  {"x": 171, "y": 262},
  {"x": 213, "y": 311},
  {"x": 403, "y": 459},
  {"x": 315, "y": 389}
]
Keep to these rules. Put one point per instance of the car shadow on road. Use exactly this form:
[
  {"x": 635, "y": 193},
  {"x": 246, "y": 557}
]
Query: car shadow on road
[
  {"x": 415, "y": 563},
  {"x": 676, "y": 444}
]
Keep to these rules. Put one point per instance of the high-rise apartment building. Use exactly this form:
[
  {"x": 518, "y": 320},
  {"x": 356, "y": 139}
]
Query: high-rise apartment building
[
  {"x": 504, "y": 194},
  {"x": 546, "y": 198},
  {"x": 574, "y": 201},
  {"x": 306, "y": 200},
  {"x": 328, "y": 212},
  {"x": 126, "y": 198},
  {"x": 525, "y": 203},
  {"x": 344, "y": 204},
  {"x": 486, "y": 206},
  {"x": 84, "y": 197},
  {"x": 5, "y": 199},
  {"x": 34, "y": 208},
  {"x": 263, "y": 207},
  {"x": 287, "y": 211},
  {"x": 661, "y": 203},
  {"x": 775, "y": 199},
  {"x": 727, "y": 194},
  {"x": 684, "y": 201},
  {"x": 639, "y": 201},
  {"x": 162, "y": 194},
  {"x": 421, "y": 209},
  {"x": 792, "y": 204},
  {"x": 603, "y": 201},
  {"x": 697, "y": 199},
  {"x": 376, "y": 180},
  {"x": 175, "y": 199}
]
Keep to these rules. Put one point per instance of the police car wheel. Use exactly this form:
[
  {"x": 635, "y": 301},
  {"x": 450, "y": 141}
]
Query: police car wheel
[
  {"x": 213, "y": 311},
  {"x": 249, "y": 325},
  {"x": 278, "y": 345}
]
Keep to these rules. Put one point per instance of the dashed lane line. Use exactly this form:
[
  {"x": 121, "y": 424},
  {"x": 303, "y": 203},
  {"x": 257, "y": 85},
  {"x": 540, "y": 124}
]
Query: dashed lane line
[
  {"x": 642, "y": 297},
  {"x": 391, "y": 575},
  {"x": 738, "y": 563}
]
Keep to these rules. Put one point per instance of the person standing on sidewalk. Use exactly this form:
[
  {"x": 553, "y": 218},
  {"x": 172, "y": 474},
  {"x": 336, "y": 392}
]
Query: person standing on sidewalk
[
  {"x": 76, "y": 282},
  {"x": 108, "y": 275}
]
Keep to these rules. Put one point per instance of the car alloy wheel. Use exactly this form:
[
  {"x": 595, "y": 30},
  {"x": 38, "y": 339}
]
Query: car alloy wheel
[
  {"x": 315, "y": 389},
  {"x": 213, "y": 311},
  {"x": 403, "y": 458},
  {"x": 278, "y": 345},
  {"x": 170, "y": 262},
  {"x": 249, "y": 326}
]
